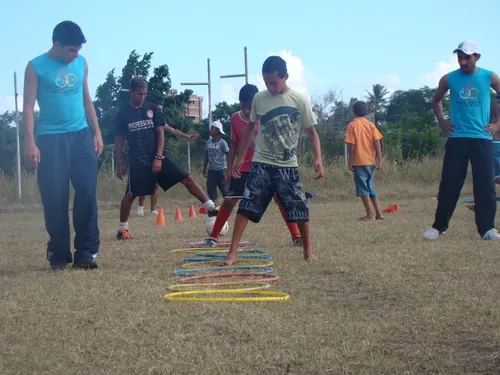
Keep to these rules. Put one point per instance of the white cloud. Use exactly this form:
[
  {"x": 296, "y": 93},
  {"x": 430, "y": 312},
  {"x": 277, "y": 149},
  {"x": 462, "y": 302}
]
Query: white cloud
[
  {"x": 228, "y": 93},
  {"x": 441, "y": 68}
]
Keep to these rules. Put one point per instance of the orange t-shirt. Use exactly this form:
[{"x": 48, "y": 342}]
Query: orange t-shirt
[{"x": 362, "y": 133}]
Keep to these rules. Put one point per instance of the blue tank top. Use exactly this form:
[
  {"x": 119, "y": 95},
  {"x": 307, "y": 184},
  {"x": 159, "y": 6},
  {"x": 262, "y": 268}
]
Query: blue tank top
[
  {"x": 470, "y": 103},
  {"x": 60, "y": 95}
]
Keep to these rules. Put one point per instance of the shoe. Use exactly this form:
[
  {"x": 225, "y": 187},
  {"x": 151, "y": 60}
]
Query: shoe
[
  {"x": 123, "y": 234},
  {"x": 210, "y": 242},
  {"x": 214, "y": 212},
  {"x": 432, "y": 234},
  {"x": 154, "y": 213},
  {"x": 492, "y": 234},
  {"x": 61, "y": 266},
  {"x": 85, "y": 264},
  {"x": 140, "y": 211},
  {"x": 297, "y": 241}
]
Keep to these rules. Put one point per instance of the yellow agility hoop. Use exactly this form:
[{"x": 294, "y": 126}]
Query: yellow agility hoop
[
  {"x": 251, "y": 296},
  {"x": 213, "y": 286},
  {"x": 258, "y": 263}
]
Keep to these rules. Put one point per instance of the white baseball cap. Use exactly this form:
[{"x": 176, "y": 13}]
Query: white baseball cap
[
  {"x": 217, "y": 124},
  {"x": 468, "y": 47}
]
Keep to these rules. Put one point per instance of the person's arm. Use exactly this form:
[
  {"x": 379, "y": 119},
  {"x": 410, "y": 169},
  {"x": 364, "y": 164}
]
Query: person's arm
[
  {"x": 318, "y": 160},
  {"x": 495, "y": 85},
  {"x": 160, "y": 145},
  {"x": 437, "y": 102},
  {"x": 205, "y": 163},
  {"x": 178, "y": 133},
  {"x": 31, "y": 152},
  {"x": 378, "y": 154},
  {"x": 350, "y": 156},
  {"x": 91, "y": 114},
  {"x": 120, "y": 168}
]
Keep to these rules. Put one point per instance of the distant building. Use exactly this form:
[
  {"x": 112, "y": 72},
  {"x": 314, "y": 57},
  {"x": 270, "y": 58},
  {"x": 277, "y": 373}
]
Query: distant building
[{"x": 194, "y": 109}]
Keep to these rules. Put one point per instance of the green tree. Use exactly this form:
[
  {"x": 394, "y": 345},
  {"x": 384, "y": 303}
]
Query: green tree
[{"x": 377, "y": 102}]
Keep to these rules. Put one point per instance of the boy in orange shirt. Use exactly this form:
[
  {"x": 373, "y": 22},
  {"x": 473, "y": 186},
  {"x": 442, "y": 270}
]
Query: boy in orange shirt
[{"x": 364, "y": 153}]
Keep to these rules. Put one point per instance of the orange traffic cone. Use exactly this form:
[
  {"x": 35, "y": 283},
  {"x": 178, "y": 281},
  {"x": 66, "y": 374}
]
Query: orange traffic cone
[
  {"x": 391, "y": 209},
  {"x": 160, "y": 220},
  {"x": 192, "y": 213},
  {"x": 178, "y": 215}
]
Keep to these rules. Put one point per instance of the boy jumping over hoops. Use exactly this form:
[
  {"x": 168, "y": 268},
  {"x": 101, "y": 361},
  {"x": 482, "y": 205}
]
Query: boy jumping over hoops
[{"x": 282, "y": 112}]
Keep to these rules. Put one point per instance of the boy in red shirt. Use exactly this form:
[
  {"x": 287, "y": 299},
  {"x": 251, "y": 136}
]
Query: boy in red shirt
[
  {"x": 239, "y": 121},
  {"x": 364, "y": 153}
]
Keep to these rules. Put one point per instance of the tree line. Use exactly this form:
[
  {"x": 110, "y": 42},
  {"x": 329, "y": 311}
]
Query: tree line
[{"x": 405, "y": 118}]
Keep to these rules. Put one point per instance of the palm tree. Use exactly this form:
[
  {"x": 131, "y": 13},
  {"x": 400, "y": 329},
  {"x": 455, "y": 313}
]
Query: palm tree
[{"x": 377, "y": 101}]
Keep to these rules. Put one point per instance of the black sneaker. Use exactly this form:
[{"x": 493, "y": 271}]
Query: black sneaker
[
  {"x": 297, "y": 241},
  {"x": 61, "y": 266},
  {"x": 85, "y": 263},
  {"x": 210, "y": 242},
  {"x": 214, "y": 212}
]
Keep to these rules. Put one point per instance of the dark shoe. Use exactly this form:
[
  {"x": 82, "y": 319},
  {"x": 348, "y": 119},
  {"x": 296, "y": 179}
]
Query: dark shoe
[
  {"x": 85, "y": 263},
  {"x": 214, "y": 212},
  {"x": 123, "y": 234},
  {"x": 61, "y": 266},
  {"x": 297, "y": 241}
]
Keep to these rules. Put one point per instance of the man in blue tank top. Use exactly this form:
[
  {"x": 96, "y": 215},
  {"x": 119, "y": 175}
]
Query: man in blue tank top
[
  {"x": 469, "y": 139},
  {"x": 65, "y": 148}
]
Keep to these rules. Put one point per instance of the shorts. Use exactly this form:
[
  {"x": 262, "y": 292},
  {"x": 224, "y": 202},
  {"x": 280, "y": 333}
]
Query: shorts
[
  {"x": 142, "y": 181},
  {"x": 237, "y": 187},
  {"x": 496, "y": 146},
  {"x": 363, "y": 180},
  {"x": 265, "y": 180},
  {"x": 216, "y": 179}
]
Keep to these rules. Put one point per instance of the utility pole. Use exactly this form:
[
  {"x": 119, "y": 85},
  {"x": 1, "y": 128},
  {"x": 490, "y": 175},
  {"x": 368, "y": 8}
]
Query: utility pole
[
  {"x": 209, "y": 84},
  {"x": 241, "y": 74}
]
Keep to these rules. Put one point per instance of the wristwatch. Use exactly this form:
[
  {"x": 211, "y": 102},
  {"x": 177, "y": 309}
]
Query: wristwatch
[{"x": 159, "y": 157}]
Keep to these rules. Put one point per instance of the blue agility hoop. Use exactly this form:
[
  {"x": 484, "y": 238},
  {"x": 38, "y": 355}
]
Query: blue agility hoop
[
  {"x": 187, "y": 272},
  {"x": 241, "y": 254}
]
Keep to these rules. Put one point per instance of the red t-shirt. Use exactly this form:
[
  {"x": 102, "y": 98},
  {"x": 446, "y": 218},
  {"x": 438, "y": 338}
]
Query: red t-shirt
[{"x": 237, "y": 127}]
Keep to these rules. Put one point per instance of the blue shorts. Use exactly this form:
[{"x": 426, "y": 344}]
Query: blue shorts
[
  {"x": 263, "y": 181},
  {"x": 363, "y": 179},
  {"x": 496, "y": 145}
]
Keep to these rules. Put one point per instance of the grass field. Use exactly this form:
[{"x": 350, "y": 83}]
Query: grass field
[{"x": 380, "y": 300}]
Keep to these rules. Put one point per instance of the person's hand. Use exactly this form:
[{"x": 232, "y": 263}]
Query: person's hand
[
  {"x": 493, "y": 128},
  {"x": 156, "y": 165},
  {"x": 193, "y": 136},
  {"x": 31, "y": 154},
  {"x": 120, "y": 171},
  {"x": 236, "y": 168},
  {"x": 319, "y": 168},
  {"x": 228, "y": 175},
  {"x": 378, "y": 164},
  {"x": 98, "y": 144},
  {"x": 351, "y": 167},
  {"x": 447, "y": 127},
  {"x": 205, "y": 174}
]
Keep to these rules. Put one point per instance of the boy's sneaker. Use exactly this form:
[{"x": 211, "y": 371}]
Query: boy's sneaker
[
  {"x": 140, "y": 211},
  {"x": 214, "y": 212},
  {"x": 154, "y": 213},
  {"x": 59, "y": 266},
  {"x": 297, "y": 241},
  {"x": 492, "y": 234},
  {"x": 210, "y": 242},
  {"x": 85, "y": 264},
  {"x": 432, "y": 234},
  {"x": 123, "y": 235}
]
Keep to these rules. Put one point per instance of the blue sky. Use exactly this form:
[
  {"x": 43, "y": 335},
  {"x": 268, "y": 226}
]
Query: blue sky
[{"x": 341, "y": 45}]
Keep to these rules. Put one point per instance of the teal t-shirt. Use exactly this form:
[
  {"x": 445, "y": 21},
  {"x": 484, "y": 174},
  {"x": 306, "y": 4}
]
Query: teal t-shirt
[{"x": 60, "y": 95}]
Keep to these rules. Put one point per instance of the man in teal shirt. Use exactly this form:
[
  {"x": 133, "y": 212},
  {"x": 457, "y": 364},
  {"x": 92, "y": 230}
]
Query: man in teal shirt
[
  {"x": 66, "y": 149},
  {"x": 469, "y": 139}
]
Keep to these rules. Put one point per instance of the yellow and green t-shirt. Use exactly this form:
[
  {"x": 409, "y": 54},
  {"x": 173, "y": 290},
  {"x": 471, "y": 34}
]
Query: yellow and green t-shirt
[{"x": 281, "y": 118}]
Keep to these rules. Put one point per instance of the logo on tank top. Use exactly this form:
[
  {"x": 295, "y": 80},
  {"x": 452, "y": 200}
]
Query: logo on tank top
[
  {"x": 470, "y": 94},
  {"x": 67, "y": 81}
]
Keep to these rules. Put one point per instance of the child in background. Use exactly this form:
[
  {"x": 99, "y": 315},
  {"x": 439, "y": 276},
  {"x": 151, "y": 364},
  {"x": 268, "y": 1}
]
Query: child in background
[{"x": 216, "y": 150}]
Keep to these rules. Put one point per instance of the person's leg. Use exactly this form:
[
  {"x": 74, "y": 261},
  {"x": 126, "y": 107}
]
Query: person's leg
[
  {"x": 454, "y": 172},
  {"x": 212, "y": 185},
  {"x": 373, "y": 194},
  {"x": 222, "y": 184},
  {"x": 483, "y": 176},
  {"x": 140, "y": 207},
  {"x": 288, "y": 186},
  {"x": 292, "y": 227},
  {"x": 366, "y": 203},
  {"x": 154, "y": 200},
  {"x": 83, "y": 175},
  {"x": 53, "y": 184},
  {"x": 361, "y": 182},
  {"x": 258, "y": 193},
  {"x": 496, "y": 146}
]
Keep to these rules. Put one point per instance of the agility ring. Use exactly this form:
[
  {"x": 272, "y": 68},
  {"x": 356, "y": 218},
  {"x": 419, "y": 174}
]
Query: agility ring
[
  {"x": 262, "y": 277},
  {"x": 222, "y": 244},
  {"x": 214, "y": 286},
  {"x": 198, "y": 271},
  {"x": 243, "y": 252},
  {"x": 250, "y": 296},
  {"x": 259, "y": 263},
  {"x": 221, "y": 257}
]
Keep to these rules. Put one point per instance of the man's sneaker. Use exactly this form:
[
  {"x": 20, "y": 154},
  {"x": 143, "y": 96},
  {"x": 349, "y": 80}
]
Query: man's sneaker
[
  {"x": 297, "y": 241},
  {"x": 85, "y": 264},
  {"x": 492, "y": 234},
  {"x": 154, "y": 213},
  {"x": 432, "y": 234},
  {"x": 59, "y": 266},
  {"x": 140, "y": 211},
  {"x": 123, "y": 235},
  {"x": 214, "y": 212},
  {"x": 210, "y": 242}
]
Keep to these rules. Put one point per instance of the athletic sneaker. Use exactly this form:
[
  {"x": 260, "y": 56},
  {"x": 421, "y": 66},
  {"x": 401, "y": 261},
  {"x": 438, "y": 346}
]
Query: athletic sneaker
[
  {"x": 432, "y": 234},
  {"x": 140, "y": 211},
  {"x": 85, "y": 264},
  {"x": 210, "y": 242},
  {"x": 123, "y": 235},
  {"x": 492, "y": 234},
  {"x": 58, "y": 266},
  {"x": 213, "y": 212},
  {"x": 154, "y": 213},
  {"x": 297, "y": 241}
]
